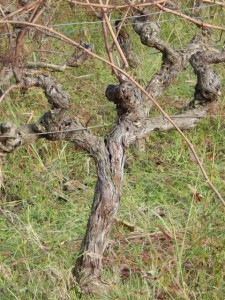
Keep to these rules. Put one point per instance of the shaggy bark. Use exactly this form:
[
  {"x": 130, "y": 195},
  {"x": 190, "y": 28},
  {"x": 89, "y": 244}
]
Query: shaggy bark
[{"x": 109, "y": 153}]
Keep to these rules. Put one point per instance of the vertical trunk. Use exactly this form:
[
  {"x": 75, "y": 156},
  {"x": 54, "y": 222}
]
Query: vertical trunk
[{"x": 88, "y": 267}]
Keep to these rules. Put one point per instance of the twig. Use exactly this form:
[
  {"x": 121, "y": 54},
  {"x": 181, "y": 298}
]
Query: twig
[
  {"x": 108, "y": 50},
  {"x": 193, "y": 20},
  {"x": 106, "y": 19},
  {"x": 46, "y": 65},
  {"x": 122, "y": 22},
  {"x": 33, "y": 18},
  {"x": 66, "y": 39}
]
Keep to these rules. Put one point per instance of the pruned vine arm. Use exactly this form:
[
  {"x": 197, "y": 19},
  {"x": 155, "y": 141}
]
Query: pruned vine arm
[{"x": 53, "y": 125}]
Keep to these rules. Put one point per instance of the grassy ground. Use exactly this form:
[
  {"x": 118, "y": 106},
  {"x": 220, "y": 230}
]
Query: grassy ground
[{"x": 168, "y": 241}]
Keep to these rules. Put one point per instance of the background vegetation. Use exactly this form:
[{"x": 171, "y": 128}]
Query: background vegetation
[{"x": 168, "y": 241}]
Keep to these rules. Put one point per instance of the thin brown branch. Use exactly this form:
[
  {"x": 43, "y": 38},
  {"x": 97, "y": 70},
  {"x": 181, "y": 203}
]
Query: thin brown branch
[
  {"x": 33, "y": 18},
  {"x": 191, "y": 147},
  {"x": 122, "y": 22},
  {"x": 106, "y": 19},
  {"x": 193, "y": 20},
  {"x": 107, "y": 47},
  {"x": 108, "y": 50}
]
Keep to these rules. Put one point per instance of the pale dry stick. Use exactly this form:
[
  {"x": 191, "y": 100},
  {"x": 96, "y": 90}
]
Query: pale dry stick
[
  {"x": 41, "y": 64},
  {"x": 191, "y": 147},
  {"x": 8, "y": 90},
  {"x": 114, "y": 38},
  {"x": 117, "y": 6},
  {"x": 214, "y": 2},
  {"x": 193, "y": 20}
]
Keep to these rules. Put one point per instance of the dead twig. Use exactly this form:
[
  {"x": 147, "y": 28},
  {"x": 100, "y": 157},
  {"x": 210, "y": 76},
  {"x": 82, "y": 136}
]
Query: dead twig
[
  {"x": 108, "y": 50},
  {"x": 106, "y": 19}
]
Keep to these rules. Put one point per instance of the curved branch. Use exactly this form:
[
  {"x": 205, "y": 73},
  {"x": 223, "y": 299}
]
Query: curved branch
[
  {"x": 149, "y": 34},
  {"x": 207, "y": 89}
]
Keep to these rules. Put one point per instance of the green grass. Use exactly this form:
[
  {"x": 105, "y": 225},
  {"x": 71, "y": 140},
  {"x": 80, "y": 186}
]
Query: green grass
[{"x": 168, "y": 242}]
